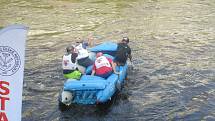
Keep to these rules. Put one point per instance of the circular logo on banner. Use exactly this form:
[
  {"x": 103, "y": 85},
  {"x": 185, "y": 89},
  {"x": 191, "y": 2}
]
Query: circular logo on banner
[{"x": 9, "y": 61}]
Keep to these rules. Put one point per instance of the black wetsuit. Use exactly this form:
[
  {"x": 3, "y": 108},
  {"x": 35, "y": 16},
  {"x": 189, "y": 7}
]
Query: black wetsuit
[{"x": 123, "y": 51}]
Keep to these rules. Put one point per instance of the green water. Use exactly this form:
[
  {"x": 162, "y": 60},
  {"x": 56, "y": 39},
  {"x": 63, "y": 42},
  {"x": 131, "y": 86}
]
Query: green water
[{"x": 173, "y": 46}]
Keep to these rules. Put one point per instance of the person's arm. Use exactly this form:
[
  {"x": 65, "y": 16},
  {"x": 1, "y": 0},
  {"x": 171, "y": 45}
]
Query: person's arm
[
  {"x": 114, "y": 67},
  {"x": 90, "y": 39},
  {"x": 93, "y": 70},
  {"x": 87, "y": 43},
  {"x": 130, "y": 57},
  {"x": 129, "y": 54}
]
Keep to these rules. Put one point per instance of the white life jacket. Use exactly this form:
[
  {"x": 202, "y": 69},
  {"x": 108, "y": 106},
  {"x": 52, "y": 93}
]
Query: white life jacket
[
  {"x": 101, "y": 62},
  {"x": 82, "y": 53},
  {"x": 67, "y": 63}
]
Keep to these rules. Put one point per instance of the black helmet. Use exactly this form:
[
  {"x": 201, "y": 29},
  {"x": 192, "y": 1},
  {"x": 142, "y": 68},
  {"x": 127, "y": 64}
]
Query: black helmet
[
  {"x": 125, "y": 39},
  {"x": 69, "y": 49}
]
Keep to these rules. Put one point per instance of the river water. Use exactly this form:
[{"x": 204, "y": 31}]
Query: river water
[{"x": 173, "y": 47}]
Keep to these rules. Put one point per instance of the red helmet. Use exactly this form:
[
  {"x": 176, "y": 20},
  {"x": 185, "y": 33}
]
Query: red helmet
[{"x": 99, "y": 54}]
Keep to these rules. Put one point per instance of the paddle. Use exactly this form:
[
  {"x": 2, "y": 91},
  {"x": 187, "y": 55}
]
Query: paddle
[
  {"x": 130, "y": 64},
  {"x": 118, "y": 85}
]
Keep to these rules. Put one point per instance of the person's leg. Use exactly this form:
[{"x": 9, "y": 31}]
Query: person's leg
[
  {"x": 120, "y": 61},
  {"x": 73, "y": 75},
  {"x": 106, "y": 75},
  {"x": 85, "y": 62},
  {"x": 81, "y": 68},
  {"x": 88, "y": 61}
]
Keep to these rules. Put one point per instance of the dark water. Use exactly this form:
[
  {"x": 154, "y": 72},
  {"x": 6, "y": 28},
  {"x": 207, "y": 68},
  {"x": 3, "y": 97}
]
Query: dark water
[{"x": 173, "y": 45}]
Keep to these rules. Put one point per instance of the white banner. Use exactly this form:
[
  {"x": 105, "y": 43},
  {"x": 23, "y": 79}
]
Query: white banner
[{"x": 12, "y": 54}]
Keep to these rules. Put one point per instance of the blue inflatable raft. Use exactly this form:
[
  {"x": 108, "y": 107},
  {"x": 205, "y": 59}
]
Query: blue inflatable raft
[{"x": 93, "y": 89}]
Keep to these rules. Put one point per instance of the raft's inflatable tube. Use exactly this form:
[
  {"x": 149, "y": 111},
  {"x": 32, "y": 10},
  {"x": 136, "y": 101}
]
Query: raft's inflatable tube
[{"x": 106, "y": 46}]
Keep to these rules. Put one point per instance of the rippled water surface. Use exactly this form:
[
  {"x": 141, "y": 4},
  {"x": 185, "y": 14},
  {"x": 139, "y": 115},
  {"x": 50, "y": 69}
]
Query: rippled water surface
[{"x": 173, "y": 47}]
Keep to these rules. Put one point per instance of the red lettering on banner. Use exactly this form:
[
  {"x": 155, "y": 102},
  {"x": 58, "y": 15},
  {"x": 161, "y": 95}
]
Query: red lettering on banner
[
  {"x": 4, "y": 91},
  {"x": 3, "y": 116},
  {"x": 3, "y": 99}
]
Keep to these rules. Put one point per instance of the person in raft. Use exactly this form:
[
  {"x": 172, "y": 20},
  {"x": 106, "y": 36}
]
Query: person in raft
[
  {"x": 103, "y": 66},
  {"x": 69, "y": 64},
  {"x": 83, "y": 55},
  {"x": 123, "y": 52}
]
